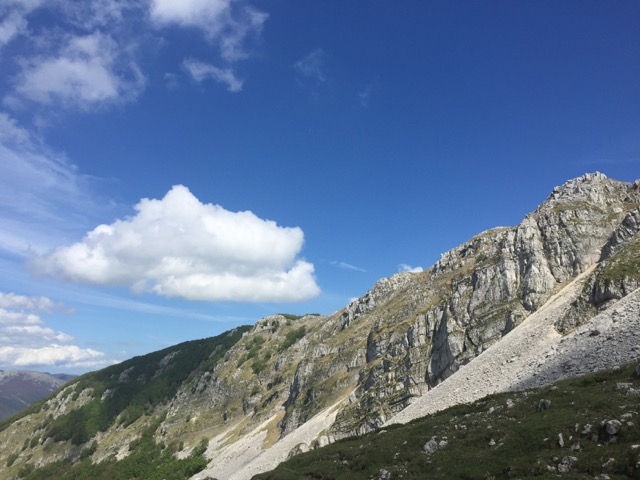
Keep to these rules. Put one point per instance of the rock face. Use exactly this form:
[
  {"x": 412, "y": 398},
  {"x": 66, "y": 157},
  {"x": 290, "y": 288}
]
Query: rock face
[{"x": 362, "y": 365}]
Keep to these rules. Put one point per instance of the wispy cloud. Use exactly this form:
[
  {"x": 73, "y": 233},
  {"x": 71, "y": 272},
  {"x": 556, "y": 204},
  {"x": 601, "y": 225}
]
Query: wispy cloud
[
  {"x": 364, "y": 96},
  {"x": 312, "y": 65},
  {"x": 200, "y": 71},
  {"x": 44, "y": 198},
  {"x": 229, "y": 25},
  {"x": 180, "y": 247},
  {"x": 347, "y": 266}
]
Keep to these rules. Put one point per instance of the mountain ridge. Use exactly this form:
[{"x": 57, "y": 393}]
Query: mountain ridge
[
  {"x": 20, "y": 388},
  {"x": 354, "y": 370}
]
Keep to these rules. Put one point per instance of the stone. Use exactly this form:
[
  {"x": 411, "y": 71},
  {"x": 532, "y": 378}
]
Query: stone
[
  {"x": 612, "y": 426},
  {"x": 544, "y": 405},
  {"x": 430, "y": 447},
  {"x": 384, "y": 475},
  {"x": 567, "y": 464}
]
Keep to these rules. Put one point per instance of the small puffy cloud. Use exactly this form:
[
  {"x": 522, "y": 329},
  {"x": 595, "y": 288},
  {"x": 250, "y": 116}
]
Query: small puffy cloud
[
  {"x": 210, "y": 15},
  {"x": 180, "y": 247},
  {"x": 11, "y": 300},
  {"x": 312, "y": 65},
  {"x": 403, "y": 267},
  {"x": 227, "y": 23},
  {"x": 200, "y": 71},
  {"x": 87, "y": 71},
  {"x": 25, "y": 340}
]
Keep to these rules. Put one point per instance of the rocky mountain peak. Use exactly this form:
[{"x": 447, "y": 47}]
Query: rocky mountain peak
[{"x": 594, "y": 188}]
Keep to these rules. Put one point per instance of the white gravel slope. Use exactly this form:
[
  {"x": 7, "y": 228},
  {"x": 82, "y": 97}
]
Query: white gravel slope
[{"x": 245, "y": 458}]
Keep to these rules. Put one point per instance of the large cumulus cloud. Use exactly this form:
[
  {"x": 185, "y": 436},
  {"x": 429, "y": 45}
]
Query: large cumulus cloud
[{"x": 180, "y": 247}]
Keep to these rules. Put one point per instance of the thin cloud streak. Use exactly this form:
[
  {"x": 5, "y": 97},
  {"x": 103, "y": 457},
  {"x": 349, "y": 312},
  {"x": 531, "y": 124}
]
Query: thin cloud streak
[{"x": 347, "y": 266}]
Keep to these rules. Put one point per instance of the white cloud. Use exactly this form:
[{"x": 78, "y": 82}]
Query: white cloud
[
  {"x": 312, "y": 65},
  {"x": 11, "y": 26},
  {"x": 201, "y": 71},
  {"x": 11, "y": 300},
  {"x": 347, "y": 266},
  {"x": 25, "y": 341},
  {"x": 86, "y": 71},
  {"x": 249, "y": 24},
  {"x": 66, "y": 356},
  {"x": 111, "y": 14},
  {"x": 180, "y": 247},
  {"x": 13, "y": 21},
  {"x": 36, "y": 186},
  {"x": 227, "y": 23},
  {"x": 403, "y": 267}
]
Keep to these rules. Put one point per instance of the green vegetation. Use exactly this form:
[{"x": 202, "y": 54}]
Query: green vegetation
[
  {"x": 12, "y": 458},
  {"x": 499, "y": 437},
  {"x": 624, "y": 264},
  {"x": 292, "y": 337},
  {"x": 147, "y": 460}
]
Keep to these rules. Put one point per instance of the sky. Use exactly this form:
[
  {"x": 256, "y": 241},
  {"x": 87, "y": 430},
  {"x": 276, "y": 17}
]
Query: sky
[{"x": 171, "y": 169}]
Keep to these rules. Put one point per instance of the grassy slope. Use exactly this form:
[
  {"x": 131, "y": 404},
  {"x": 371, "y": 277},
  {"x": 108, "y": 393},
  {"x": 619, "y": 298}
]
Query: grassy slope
[{"x": 501, "y": 436}]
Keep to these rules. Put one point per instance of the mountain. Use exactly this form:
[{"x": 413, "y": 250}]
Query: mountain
[
  {"x": 513, "y": 307},
  {"x": 22, "y": 387}
]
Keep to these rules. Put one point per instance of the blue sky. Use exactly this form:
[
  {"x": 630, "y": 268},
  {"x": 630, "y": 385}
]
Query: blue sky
[{"x": 170, "y": 169}]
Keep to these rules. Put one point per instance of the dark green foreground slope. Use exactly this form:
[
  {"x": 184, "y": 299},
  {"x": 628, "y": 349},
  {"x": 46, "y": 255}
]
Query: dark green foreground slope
[{"x": 554, "y": 432}]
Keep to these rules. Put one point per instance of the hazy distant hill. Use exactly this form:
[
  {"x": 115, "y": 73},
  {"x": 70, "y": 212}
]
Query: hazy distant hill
[
  {"x": 512, "y": 308},
  {"x": 22, "y": 387}
]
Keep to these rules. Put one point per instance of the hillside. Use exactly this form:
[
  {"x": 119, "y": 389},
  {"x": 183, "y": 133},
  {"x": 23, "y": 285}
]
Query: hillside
[
  {"x": 21, "y": 388},
  {"x": 499, "y": 312}
]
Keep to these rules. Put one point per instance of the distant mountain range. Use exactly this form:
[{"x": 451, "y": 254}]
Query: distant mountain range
[
  {"x": 512, "y": 308},
  {"x": 21, "y": 388}
]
